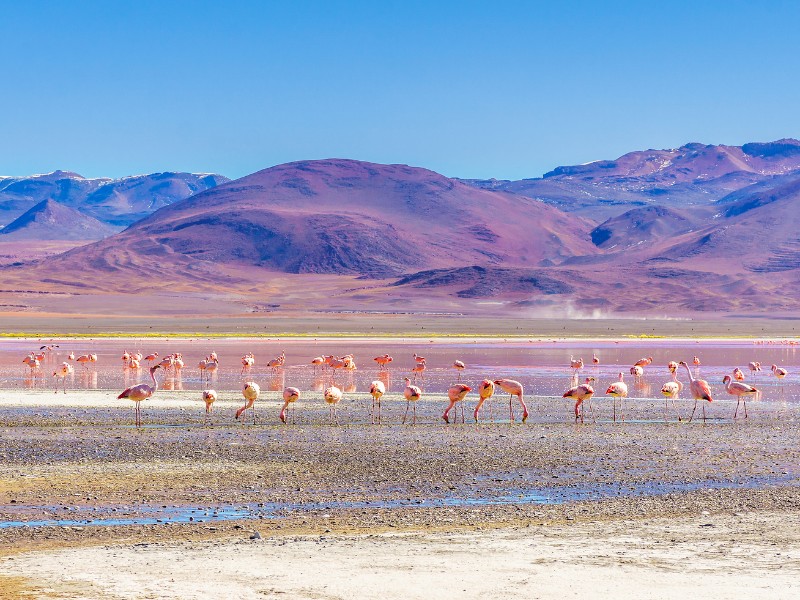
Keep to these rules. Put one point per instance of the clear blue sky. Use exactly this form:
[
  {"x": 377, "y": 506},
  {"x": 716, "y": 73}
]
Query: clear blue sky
[{"x": 469, "y": 89}]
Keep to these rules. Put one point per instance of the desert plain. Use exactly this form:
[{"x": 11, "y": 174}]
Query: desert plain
[{"x": 92, "y": 507}]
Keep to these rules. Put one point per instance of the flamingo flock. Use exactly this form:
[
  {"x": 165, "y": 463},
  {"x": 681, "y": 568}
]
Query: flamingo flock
[{"x": 457, "y": 393}]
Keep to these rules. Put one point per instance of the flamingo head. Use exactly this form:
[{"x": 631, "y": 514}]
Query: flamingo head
[{"x": 726, "y": 379}]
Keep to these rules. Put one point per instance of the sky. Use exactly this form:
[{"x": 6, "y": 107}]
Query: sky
[{"x": 468, "y": 89}]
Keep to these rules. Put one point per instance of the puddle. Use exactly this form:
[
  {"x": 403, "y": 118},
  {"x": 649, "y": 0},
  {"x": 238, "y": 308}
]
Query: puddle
[{"x": 150, "y": 515}]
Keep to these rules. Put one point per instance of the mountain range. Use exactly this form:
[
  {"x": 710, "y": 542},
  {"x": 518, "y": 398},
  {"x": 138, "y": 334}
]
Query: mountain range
[{"x": 694, "y": 229}]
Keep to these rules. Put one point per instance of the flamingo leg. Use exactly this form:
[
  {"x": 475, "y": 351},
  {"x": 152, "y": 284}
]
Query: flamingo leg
[
  {"x": 738, "y": 402},
  {"x": 511, "y": 407},
  {"x": 677, "y": 410},
  {"x": 591, "y": 411},
  {"x": 622, "y": 409},
  {"x": 704, "y": 414},
  {"x": 694, "y": 409},
  {"x": 414, "y": 422},
  {"x": 614, "y": 408},
  {"x": 745, "y": 408},
  {"x": 408, "y": 403}
]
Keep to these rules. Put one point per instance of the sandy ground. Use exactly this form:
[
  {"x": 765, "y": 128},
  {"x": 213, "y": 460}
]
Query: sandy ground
[
  {"x": 543, "y": 510},
  {"x": 753, "y": 555}
]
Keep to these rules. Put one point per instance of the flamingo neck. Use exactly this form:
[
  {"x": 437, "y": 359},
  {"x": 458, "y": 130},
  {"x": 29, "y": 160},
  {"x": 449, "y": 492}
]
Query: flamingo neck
[
  {"x": 155, "y": 381},
  {"x": 689, "y": 372}
]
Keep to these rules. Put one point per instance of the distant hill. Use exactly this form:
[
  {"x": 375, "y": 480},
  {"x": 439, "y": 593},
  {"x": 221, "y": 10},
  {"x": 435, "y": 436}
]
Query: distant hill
[
  {"x": 50, "y": 220},
  {"x": 694, "y": 175},
  {"x": 118, "y": 202}
]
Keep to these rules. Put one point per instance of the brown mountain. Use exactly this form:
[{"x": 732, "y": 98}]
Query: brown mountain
[{"x": 339, "y": 217}]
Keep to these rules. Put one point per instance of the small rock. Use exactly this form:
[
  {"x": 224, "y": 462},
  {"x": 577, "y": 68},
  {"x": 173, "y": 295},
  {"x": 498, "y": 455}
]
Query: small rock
[{"x": 255, "y": 536}]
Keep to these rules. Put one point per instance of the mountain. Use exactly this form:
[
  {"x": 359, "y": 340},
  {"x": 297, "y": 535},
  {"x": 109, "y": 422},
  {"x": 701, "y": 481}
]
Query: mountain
[
  {"x": 694, "y": 175},
  {"x": 338, "y": 217},
  {"x": 50, "y": 220},
  {"x": 347, "y": 235},
  {"x": 118, "y": 202}
]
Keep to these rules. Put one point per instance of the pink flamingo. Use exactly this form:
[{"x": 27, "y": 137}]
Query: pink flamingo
[
  {"x": 700, "y": 391},
  {"x": 250, "y": 391},
  {"x": 209, "y": 397},
  {"x": 671, "y": 390},
  {"x": 412, "y": 394},
  {"x": 383, "y": 361},
  {"x": 64, "y": 371},
  {"x": 575, "y": 364},
  {"x": 456, "y": 393},
  {"x": 290, "y": 396},
  {"x": 376, "y": 390},
  {"x": 485, "y": 391},
  {"x": 741, "y": 391},
  {"x": 459, "y": 366},
  {"x": 738, "y": 375},
  {"x": 581, "y": 393},
  {"x": 643, "y": 362},
  {"x": 140, "y": 392},
  {"x": 333, "y": 395},
  {"x": 618, "y": 389},
  {"x": 514, "y": 388},
  {"x": 419, "y": 369}
]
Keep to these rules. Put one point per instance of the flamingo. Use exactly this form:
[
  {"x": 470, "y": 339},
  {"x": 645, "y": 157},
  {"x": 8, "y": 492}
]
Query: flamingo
[
  {"x": 618, "y": 389},
  {"x": 459, "y": 366},
  {"x": 211, "y": 368},
  {"x": 290, "y": 396},
  {"x": 32, "y": 362},
  {"x": 318, "y": 361},
  {"x": 779, "y": 372},
  {"x": 71, "y": 356},
  {"x": 643, "y": 362},
  {"x": 514, "y": 388},
  {"x": 209, "y": 397},
  {"x": 419, "y": 369},
  {"x": 250, "y": 391},
  {"x": 456, "y": 393},
  {"x": 672, "y": 366},
  {"x": 84, "y": 359},
  {"x": 485, "y": 391},
  {"x": 576, "y": 364},
  {"x": 126, "y": 357},
  {"x": 151, "y": 357},
  {"x": 671, "y": 390},
  {"x": 64, "y": 371},
  {"x": 700, "y": 391},
  {"x": 755, "y": 367},
  {"x": 134, "y": 364},
  {"x": 333, "y": 395},
  {"x": 418, "y": 358},
  {"x": 376, "y": 390},
  {"x": 581, "y": 393},
  {"x": 277, "y": 362},
  {"x": 738, "y": 375},
  {"x": 383, "y": 361},
  {"x": 637, "y": 371},
  {"x": 595, "y": 359},
  {"x": 140, "y": 392},
  {"x": 177, "y": 362},
  {"x": 248, "y": 360},
  {"x": 741, "y": 391},
  {"x": 412, "y": 394}
]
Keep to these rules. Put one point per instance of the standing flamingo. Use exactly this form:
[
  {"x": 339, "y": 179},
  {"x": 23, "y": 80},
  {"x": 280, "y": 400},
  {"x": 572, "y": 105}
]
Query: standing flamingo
[
  {"x": 248, "y": 360},
  {"x": 644, "y": 362},
  {"x": 419, "y": 369},
  {"x": 741, "y": 391},
  {"x": 514, "y": 388},
  {"x": 290, "y": 396},
  {"x": 333, "y": 395},
  {"x": 459, "y": 366},
  {"x": 376, "y": 390},
  {"x": 738, "y": 375},
  {"x": 637, "y": 371},
  {"x": 209, "y": 397},
  {"x": 672, "y": 366},
  {"x": 779, "y": 372},
  {"x": 485, "y": 391},
  {"x": 151, "y": 357},
  {"x": 755, "y": 367},
  {"x": 383, "y": 361},
  {"x": 64, "y": 371},
  {"x": 412, "y": 394},
  {"x": 618, "y": 389},
  {"x": 575, "y": 364},
  {"x": 700, "y": 391},
  {"x": 671, "y": 390},
  {"x": 456, "y": 393},
  {"x": 84, "y": 359},
  {"x": 250, "y": 391},
  {"x": 581, "y": 393},
  {"x": 140, "y": 392}
]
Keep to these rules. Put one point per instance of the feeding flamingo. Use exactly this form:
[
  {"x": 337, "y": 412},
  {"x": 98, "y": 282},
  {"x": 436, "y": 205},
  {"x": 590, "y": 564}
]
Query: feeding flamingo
[
  {"x": 485, "y": 391},
  {"x": 250, "y": 391},
  {"x": 383, "y": 361},
  {"x": 581, "y": 393},
  {"x": 209, "y": 397},
  {"x": 459, "y": 366},
  {"x": 456, "y": 393},
  {"x": 290, "y": 396},
  {"x": 514, "y": 388}
]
